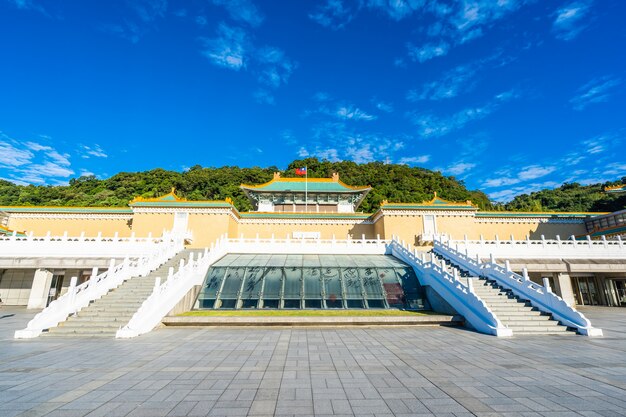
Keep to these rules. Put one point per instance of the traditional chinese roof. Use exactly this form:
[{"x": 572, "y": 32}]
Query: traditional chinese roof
[
  {"x": 172, "y": 200},
  {"x": 6, "y": 232},
  {"x": 616, "y": 189},
  {"x": 437, "y": 203},
  {"x": 307, "y": 215},
  {"x": 312, "y": 185}
]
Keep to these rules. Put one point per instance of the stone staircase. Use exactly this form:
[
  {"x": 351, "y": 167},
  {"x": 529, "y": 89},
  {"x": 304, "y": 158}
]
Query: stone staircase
[
  {"x": 103, "y": 317},
  {"x": 516, "y": 314}
]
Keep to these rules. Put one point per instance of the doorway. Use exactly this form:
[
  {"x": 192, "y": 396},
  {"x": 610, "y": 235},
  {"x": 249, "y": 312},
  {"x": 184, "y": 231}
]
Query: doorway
[{"x": 587, "y": 293}]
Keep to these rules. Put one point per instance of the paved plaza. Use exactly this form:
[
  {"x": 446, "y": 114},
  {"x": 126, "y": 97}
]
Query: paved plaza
[{"x": 396, "y": 371}]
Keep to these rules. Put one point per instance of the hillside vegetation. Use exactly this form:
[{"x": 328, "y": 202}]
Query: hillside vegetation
[{"x": 395, "y": 183}]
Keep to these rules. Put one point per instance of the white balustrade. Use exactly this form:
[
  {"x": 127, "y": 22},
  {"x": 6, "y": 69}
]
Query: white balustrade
[
  {"x": 155, "y": 253},
  {"x": 66, "y": 246},
  {"x": 539, "y": 296},
  {"x": 459, "y": 295},
  {"x": 541, "y": 248}
]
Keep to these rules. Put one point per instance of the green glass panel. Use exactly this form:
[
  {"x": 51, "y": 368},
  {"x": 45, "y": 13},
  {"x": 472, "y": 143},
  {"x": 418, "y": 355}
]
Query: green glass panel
[
  {"x": 312, "y": 283},
  {"x": 272, "y": 286},
  {"x": 393, "y": 287},
  {"x": 332, "y": 283},
  {"x": 352, "y": 283},
  {"x": 212, "y": 283},
  {"x": 232, "y": 282},
  {"x": 371, "y": 283},
  {"x": 253, "y": 283},
  {"x": 293, "y": 282}
]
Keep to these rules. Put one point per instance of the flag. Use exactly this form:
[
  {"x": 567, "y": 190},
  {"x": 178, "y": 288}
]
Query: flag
[{"x": 301, "y": 171}]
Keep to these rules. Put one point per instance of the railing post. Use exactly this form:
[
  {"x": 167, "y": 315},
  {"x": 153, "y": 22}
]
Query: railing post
[
  {"x": 573, "y": 239},
  {"x": 492, "y": 259},
  {"x": 157, "y": 284},
  {"x": 588, "y": 240},
  {"x": 72, "y": 295},
  {"x": 111, "y": 267},
  {"x": 525, "y": 274},
  {"x": 455, "y": 274},
  {"x": 470, "y": 285},
  {"x": 497, "y": 241},
  {"x": 543, "y": 241},
  {"x": 546, "y": 284},
  {"x": 619, "y": 241},
  {"x": 170, "y": 273},
  {"x": 604, "y": 242},
  {"x": 558, "y": 240},
  {"x": 507, "y": 265},
  {"x": 99, "y": 237}
]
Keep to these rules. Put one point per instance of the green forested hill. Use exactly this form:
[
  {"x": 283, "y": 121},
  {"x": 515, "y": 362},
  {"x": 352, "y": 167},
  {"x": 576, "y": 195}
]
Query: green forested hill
[
  {"x": 395, "y": 183},
  {"x": 570, "y": 197}
]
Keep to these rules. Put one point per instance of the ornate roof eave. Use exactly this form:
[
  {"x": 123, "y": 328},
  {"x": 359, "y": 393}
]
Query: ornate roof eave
[
  {"x": 436, "y": 203},
  {"x": 616, "y": 188},
  {"x": 538, "y": 214},
  {"x": 172, "y": 200},
  {"x": 348, "y": 188},
  {"x": 65, "y": 209}
]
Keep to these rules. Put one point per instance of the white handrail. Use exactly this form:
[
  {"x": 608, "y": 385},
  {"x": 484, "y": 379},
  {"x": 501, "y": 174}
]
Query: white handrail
[
  {"x": 166, "y": 295},
  {"x": 459, "y": 295},
  {"x": 542, "y": 298},
  {"x": 542, "y": 248},
  {"x": 78, "y": 297}
]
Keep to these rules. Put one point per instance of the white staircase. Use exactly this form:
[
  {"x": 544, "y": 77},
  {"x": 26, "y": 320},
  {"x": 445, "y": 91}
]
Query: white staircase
[
  {"x": 518, "y": 315},
  {"x": 105, "y": 316}
]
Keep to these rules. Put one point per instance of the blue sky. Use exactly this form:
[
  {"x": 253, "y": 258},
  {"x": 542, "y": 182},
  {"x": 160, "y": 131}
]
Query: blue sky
[{"x": 510, "y": 96}]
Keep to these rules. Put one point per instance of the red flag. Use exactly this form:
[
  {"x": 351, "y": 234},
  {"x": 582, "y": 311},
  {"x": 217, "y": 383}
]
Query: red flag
[{"x": 301, "y": 171}]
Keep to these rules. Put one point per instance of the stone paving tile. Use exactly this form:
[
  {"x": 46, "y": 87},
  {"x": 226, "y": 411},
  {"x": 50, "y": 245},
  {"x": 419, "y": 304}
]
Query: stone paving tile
[{"x": 315, "y": 372}]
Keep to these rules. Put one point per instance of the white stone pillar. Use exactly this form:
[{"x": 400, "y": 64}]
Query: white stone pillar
[
  {"x": 40, "y": 288},
  {"x": 564, "y": 283}
]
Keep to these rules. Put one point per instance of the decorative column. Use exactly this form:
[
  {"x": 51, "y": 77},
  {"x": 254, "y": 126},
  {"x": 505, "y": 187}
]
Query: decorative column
[
  {"x": 40, "y": 288},
  {"x": 564, "y": 282}
]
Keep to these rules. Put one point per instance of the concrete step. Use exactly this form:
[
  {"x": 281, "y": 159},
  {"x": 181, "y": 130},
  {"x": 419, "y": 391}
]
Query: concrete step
[{"x": 529, "y": 323}]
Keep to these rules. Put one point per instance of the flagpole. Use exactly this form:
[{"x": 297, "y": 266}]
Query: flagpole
[{"x": 306, "y": 189}]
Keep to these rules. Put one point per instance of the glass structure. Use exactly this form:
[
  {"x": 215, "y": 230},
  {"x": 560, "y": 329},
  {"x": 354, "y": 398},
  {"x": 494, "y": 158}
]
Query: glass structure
[{"x": 310, "y": 282}]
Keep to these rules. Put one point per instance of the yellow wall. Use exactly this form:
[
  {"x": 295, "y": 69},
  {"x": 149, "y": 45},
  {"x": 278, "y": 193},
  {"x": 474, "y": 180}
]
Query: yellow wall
[
  {"x": 207, "y": 228},
  {"x": 73, "y": 226},
  {"x": 280, "y": 231},
  {"x": 145, "y": 223}
]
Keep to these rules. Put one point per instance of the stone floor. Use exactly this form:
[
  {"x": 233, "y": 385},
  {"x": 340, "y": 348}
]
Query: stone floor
[{"x": 398, "y": 371}]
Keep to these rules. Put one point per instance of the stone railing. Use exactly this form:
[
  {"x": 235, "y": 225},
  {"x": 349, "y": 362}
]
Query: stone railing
[
  {"x": 460, "y": 295},
  {"x": 307, "y": 246},
  {"x": 82, "y": 246},
  {"x": 166, "y": 295},
  {"x": 541, "y": 248},
  {"x": 78, "y": 297},
  {"x": 539, "y": 296}
]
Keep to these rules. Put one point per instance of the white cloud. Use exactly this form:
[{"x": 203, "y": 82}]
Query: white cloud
[
  {"x": 264, "y": 97},
  {"x": 229, "y": 49},
  {"x": 96, "y": 151},
  {"x": 276, "y": 68},
  {"x": 149, "y": 10},
  {"x": 598, "y": 90},
  {"x": 353, "y": 113},
  {"x": 383, "y": 106},
  {"x": 428, "y": 51},
  {"x": 333, "y": 14},
  {"x": 397, "y": 9},
  {"x": 28, "y": 5},
  {"x": 432, "y": 126},
  {"x": 414, "y": 160},
  {"x": 460, "y": 168},
  {"x": 10, "y": 156},
  {"x": 534, "y": 171},
  {"x": 568, "y": 21},
  {"x": 242, "y": 11}
]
